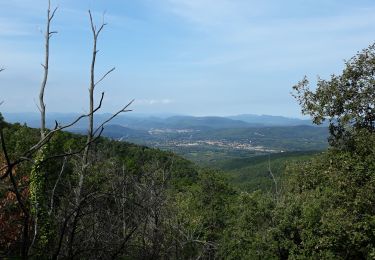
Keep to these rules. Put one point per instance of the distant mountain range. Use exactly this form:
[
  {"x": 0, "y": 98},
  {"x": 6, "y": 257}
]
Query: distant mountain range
[
  {"x": 146, "y": 123},
  {"x": 189, "y": 135},
  {"x": 267, "y": 120}
]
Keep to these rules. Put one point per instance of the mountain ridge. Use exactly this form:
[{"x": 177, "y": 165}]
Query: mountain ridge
[{"x": 143, "y": 122}]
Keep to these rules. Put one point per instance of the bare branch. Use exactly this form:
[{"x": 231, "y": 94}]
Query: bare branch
[
  {"x": 60, "y": 128},
  {"x": 56, "y": 183},
  {"x": 26, "y": 156},
  {"x": 94, "y": 29},
  {"x": 90, "y": 134},
  {"x": 18, "y": 194},
  {"x": 9, "y": 172},
  {"x": 74, "y": 152},
  {"x": 53, "y": 13},
  {"x": 52, "y": 33},
  {"x": 123, "y": 110},
  {"x": 8, "y": 166},
  {"x": 104, "y": 76},
  {"x": 125, "y": 240},
  {"x": 42, "y": 106},
  {"x": 100, "y": 29},
  {"x": 37, "y": 105},
  {"x": 35, "y": 229}
]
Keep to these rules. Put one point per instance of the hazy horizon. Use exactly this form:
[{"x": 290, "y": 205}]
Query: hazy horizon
[
  {"x": 155, "y": 114},
  {"x": 189, "y": 57}
]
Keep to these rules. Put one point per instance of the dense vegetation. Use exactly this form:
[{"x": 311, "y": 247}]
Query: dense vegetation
[
  {"x": 148, "y": 204},
  {"x": 253, "y": 173},
  {"x": 138, "y": 202},
  {"x": 87, "y": 197}
]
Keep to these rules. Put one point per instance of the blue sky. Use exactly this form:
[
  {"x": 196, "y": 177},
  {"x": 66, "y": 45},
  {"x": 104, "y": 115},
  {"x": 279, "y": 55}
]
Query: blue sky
[{"x": 197, "y": 57}]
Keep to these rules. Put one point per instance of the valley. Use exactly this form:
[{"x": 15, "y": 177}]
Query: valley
[
  {"x": 204, "y": 140},
  {"x": 207, "y": 146}
]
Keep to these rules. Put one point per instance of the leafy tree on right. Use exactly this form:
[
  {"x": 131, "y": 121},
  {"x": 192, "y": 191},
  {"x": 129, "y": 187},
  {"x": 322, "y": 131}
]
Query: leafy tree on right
[
  {"x": 346, "y": 100},
  {"x": 331, "y": 198},
  {"x": 325, "y": 209}
]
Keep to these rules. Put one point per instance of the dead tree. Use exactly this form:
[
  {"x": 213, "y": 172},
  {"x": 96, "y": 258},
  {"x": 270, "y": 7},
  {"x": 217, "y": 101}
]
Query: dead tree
[
  {"x": 37, "y": 185},
  {"x": 47, "y": 36},
  {"x": 92, "y": 134},
  {"x": 6, "y": 170}
]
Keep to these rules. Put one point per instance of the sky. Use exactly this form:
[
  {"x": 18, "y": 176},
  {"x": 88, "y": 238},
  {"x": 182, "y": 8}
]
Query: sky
[{"x": 194, "y": 57}]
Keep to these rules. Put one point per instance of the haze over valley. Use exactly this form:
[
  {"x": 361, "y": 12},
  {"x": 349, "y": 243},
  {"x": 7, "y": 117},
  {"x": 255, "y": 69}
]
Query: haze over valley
[
  {"x": 204, "y": 140},
  {"x": 187, "y": 129}
]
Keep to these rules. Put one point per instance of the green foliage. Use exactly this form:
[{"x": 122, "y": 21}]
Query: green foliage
[
  {"x": 247, "y": 236},
  {"x": 142, "y": 203},
  {"x": 214, "y": 201},
  {"x": 347, "y": 100},
  {"x": 146, "y": 175},
  {"x": 325, "y": 210},
  {"x": 204, "y": 211},
  {"x": 251, "y": 174},
  {"x": 19, "y": 139},
  {"x": 333, "y": 195},
  {"x": 37, "y": 182}
]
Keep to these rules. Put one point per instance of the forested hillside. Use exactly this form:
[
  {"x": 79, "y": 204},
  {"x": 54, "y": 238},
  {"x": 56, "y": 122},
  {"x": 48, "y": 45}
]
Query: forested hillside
[
  {"x": 140, "y": 203},
  {"x": 137, "y": 202},
  {"x": 82, "y": 195},
  {"x": 254, "y": 173}
]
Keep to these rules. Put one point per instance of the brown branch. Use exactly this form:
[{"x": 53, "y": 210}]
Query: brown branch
[
  {"x": 53, "y": 13},
  {"x": 104, "y": 76},
  {"x": 60, "y": 128},
  {"x": 93, "y": 26},
  {"x": 8, "y": 167},
  {"x": 95, "y": 34},
  {"x": 9, "y": 172},
  {"x": 125, "y": 240},
  {"x": 90, "y": 134},
  {"x": 62, "y": 234},
  {"x": 56, "y": 183},
  {"x": 123, "y": 110},
  {"x": 3, "y": 146},
  {"x": 26, "y": 156},
  {"x": 75, "y": 152}
]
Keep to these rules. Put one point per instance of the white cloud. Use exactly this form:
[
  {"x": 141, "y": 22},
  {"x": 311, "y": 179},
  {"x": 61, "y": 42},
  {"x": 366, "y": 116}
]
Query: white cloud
[
  {"x": 151, "y": 102},
  {"x": 245, "y": 31}
]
